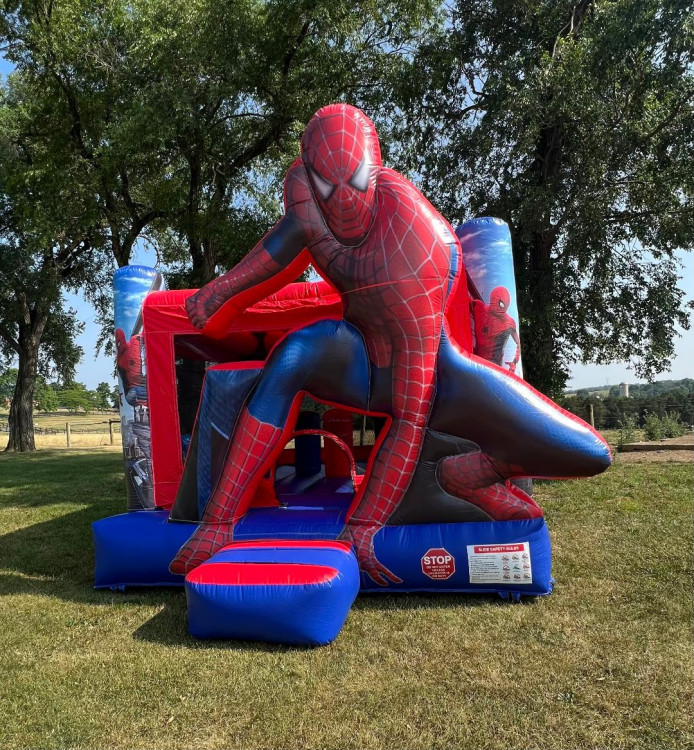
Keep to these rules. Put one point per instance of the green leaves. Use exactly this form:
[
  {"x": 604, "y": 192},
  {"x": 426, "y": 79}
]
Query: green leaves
[
  {"x": 174, "y": 122},
  {"x": 574, "y": 123}
]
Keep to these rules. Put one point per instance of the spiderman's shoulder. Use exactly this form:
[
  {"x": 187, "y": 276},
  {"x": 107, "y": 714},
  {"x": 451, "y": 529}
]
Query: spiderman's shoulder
[
  {"x": 399, "y": 196},
  {"x": 396, "y": 190}
]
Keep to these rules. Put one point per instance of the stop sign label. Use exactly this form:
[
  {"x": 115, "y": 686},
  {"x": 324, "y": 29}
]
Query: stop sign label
[{"x": 438, "y": 564}]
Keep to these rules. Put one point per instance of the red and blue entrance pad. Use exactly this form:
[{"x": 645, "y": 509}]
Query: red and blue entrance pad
[{"x": 282, "y": 591}]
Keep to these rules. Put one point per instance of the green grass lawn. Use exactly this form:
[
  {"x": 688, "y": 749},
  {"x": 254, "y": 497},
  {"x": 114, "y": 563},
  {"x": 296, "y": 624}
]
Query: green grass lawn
[{"x": 605, "y": 662}]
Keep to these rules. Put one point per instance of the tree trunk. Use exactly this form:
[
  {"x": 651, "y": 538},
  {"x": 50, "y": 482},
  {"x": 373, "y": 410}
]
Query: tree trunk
[
  {"x": 537, "y": 311},
  {"x": 537, "y": 289},
  {"x": 21, "y": 419}
]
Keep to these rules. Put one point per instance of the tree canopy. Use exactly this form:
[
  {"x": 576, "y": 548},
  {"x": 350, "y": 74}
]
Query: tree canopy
[
  {"x": 573, "y": 122},
  {"x": 173, "y": 123},
  {"x": 180, "y": 117}
]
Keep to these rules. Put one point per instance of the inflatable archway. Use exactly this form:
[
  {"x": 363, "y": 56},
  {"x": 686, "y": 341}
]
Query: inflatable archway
[{"x": 413, "y": 328}]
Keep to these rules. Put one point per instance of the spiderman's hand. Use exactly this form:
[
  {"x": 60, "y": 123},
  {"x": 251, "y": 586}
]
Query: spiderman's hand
[
  {"x": 512, "y": 365},
  {"x": 202, "y": 305},
  {"x": 361, "y": 538}
]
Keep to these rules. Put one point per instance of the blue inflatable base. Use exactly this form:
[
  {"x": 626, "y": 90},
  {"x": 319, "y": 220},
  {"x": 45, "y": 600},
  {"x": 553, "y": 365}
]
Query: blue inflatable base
[
  {"x": 467, "y": 558},
  {"x": 135, "y": 549}
]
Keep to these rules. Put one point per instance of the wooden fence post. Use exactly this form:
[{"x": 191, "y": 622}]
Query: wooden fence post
[
  {"x": 110, "y": 431},
  {"x": 592, "y": 417},
  {"x": 67, "y": 433}
]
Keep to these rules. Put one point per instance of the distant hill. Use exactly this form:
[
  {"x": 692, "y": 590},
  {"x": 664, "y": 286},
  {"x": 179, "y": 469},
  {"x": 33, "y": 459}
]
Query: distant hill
[
  {"x": 673, "y": 399},
  {"x": 658, "y": 387}
]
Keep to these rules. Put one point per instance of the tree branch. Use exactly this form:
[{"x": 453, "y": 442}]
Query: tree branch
[
  {"x": 6, "y": 334},
  {"x": 573, "y": 25},
  {"x": 662, "y": 125},
  {"x": 291, "y": 53}
]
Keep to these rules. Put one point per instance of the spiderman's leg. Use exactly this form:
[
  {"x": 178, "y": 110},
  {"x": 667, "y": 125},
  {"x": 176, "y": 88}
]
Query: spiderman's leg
[
  {"x": 521, "y": 432},
  {"x": 328, "y": 360},
  {"x": 472, "y": 477}
]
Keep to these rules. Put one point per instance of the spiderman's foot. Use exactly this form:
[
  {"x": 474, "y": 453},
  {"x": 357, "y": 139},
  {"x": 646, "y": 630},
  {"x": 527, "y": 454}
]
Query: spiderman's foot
[
  {"x": 504, "y": 502},
  {"x": 206, "y": 540}
]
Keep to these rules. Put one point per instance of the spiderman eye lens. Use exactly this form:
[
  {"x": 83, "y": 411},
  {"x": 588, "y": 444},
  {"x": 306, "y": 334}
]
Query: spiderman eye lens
[
  {"x": 323, "y": 187},
  {"x": 360, "y": 179},
  {"x": 501, "y": 304}
]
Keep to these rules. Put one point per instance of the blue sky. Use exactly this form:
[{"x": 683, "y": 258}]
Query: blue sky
[{"x": 95, "y": 369}]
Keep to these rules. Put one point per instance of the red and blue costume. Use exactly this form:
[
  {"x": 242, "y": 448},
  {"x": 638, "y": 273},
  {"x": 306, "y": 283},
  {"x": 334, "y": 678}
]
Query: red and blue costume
[
  {"x": 494, "y": 327},
  {"x": 395, "y": 262},
  {"x": 129, "y": 365}
]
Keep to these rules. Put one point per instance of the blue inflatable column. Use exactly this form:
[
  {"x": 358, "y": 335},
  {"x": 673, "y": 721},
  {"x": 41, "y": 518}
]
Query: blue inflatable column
[
  {"x": 488, "y": 259},
  {"x": 131, "y": 284}
]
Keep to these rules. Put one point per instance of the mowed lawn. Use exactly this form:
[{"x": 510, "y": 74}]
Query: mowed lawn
[{"x": 605, "y": 662}]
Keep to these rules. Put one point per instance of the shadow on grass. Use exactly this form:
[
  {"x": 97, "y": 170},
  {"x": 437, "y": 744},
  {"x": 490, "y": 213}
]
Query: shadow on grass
[
  {"x": 55, "y": 558},
  {"x": 52, "y": 558},
  {"x": 168, "y": 628}
]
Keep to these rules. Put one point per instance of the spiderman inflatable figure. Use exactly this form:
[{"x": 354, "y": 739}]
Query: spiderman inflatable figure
[
  {"x": 459, "y": 427},
  {"x": 129, "y": 364},
  {"x": 493, "y": 328}
]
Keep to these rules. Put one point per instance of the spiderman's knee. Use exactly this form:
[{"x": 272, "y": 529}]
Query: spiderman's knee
[{"x": 469, "y": 471}]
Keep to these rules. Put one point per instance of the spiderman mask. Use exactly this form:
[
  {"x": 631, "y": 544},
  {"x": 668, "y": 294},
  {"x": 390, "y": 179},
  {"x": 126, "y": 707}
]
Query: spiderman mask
[
  {"x": 499, "y": 301},
  {"x": 341, "y": 154}
]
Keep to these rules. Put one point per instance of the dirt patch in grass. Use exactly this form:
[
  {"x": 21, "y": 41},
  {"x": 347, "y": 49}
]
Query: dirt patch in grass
[{"x": 654, "y": 455}]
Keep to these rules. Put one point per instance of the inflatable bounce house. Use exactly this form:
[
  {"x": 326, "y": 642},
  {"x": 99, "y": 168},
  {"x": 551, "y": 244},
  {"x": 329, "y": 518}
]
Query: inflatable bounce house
[{"x": 409, "y": 471}]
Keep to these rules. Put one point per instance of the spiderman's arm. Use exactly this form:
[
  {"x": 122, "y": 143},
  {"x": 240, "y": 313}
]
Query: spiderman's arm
[
  {"x": 413, "y": 390},
  {"x": 135, "y": 360},
  {"x": 514, "y": 335},
  {"x": 275, "y": 261}
]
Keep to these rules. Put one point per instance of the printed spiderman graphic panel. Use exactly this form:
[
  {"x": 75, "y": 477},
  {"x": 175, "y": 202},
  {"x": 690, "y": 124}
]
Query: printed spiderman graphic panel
[
  {"x": 129, "y": 365},
  {"x": 494, "y": 327},
  {"x": 458, "y": 426}
]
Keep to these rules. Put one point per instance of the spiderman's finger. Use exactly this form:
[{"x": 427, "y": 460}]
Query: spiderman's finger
[
  {"x": 377, "y": 577},
  {"x": 389, "y": 575},
  {"x": 381, "y": 575}
]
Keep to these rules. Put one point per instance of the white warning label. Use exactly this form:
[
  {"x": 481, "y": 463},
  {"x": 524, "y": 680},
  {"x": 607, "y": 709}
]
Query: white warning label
[{"x": 500, "y": 563}]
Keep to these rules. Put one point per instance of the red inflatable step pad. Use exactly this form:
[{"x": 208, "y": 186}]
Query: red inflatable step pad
[
  {"x": 261, "y": 574},
  {"x": 334, "y": 544}
]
